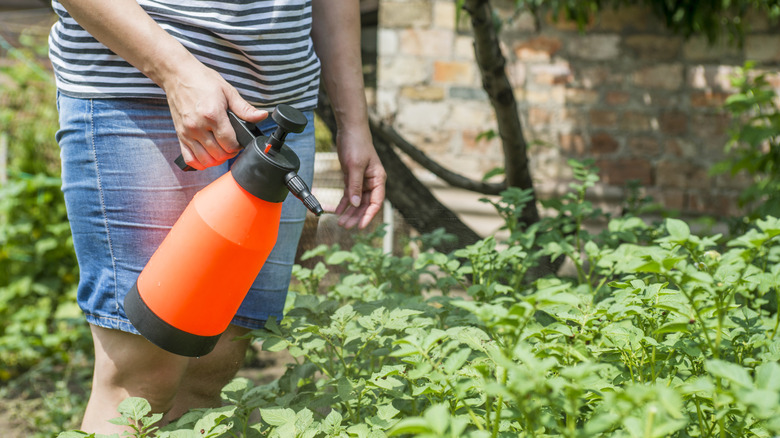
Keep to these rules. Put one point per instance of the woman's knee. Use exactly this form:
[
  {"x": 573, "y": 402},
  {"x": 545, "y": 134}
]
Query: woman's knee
[
  {"x": 130, "y": 365},
  {"x": 206, "y": 376}
]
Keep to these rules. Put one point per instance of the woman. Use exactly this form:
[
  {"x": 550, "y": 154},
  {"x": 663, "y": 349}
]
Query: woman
[{"x": 140, "y": 82}]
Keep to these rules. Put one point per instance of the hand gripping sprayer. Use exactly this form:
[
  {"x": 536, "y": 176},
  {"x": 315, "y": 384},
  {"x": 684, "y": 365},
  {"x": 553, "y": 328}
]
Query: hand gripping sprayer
[{"x": 189, "y": 291}]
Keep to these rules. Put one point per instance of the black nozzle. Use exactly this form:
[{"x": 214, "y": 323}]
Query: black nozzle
[{"x": 298, "y": 187}]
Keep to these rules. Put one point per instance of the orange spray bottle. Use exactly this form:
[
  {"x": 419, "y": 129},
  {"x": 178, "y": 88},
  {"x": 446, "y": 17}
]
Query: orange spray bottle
[{"x": 189, "y": 291}]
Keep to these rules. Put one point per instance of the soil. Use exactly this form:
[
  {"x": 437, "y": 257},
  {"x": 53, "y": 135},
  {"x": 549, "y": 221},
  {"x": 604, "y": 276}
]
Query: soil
[{"x": 13, "y": 415}]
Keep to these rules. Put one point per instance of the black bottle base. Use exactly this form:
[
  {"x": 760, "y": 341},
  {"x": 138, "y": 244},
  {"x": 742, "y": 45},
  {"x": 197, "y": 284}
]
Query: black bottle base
[{"x": 162, "y": 334}]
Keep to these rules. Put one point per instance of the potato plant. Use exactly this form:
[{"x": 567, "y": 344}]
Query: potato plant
[{"x": 660, "y": 332}]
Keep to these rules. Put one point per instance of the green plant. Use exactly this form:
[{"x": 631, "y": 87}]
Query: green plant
[
  {"x": 660, "y": 333},
  {"x": 43, "y": 337},
  {"x": 754, "y": 147},
  {"x": 38, "y": 269},
  {"x": 135, "y": 413},
  {"x": 28, "y": 114},
  {"x": 38, "y": 275}
]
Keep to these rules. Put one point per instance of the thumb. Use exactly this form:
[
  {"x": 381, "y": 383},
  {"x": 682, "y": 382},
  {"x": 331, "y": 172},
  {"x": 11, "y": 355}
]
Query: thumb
[{"x": 243, "y": 109}]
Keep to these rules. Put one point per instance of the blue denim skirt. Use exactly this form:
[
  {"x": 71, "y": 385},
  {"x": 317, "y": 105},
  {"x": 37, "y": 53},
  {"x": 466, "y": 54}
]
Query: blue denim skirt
[{"x": 123, "y": 194}]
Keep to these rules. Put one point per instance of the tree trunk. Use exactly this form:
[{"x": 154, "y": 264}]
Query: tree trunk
[{"x": 495, "y": 82}]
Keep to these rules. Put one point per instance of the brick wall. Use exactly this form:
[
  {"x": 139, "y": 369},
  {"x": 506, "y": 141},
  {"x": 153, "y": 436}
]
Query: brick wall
[{"x": 642, "y": 102}]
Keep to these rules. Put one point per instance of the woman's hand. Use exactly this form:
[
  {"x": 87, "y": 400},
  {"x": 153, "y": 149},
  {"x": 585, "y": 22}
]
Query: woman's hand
[
  {"x": 199, "y": 102},
  {"x": 364, "y": 178},
  {"x": 336, "y": 36},
  {"x": 197, "y": 95}
]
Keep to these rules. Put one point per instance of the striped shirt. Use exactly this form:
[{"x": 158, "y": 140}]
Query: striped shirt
[{"x": 261, "y": 47}]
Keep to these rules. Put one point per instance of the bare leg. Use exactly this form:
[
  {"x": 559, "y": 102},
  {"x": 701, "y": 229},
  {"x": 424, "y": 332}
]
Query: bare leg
[
  {"x": 127, "y": 365},
  {"x": 206, "y": 376}
]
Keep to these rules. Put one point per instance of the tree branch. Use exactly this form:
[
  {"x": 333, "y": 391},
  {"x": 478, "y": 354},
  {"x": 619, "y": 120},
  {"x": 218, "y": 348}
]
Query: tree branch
[{"x": 453, "y": 179}]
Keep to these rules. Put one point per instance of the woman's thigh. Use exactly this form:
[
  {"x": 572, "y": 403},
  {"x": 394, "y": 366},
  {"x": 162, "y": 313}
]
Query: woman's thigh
[{"x": 123, "y": 194}]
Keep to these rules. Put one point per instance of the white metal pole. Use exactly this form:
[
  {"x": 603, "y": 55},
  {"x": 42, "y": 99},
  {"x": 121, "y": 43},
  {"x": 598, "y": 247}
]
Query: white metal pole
[
  {"x": 3, "y": 157},
  {"x": 389, "y": 221}
]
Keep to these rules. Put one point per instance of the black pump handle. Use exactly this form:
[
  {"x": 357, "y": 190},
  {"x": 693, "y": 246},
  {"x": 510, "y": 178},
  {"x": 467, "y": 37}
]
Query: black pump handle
[{"x": 245, "y": 134}]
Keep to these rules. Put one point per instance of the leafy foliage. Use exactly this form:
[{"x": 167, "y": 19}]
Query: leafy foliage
[
  {"x": 659, "y": 332},
  {"x": 28, "y": 115},
  {"x": 38, "y": 275},
  {"x": 712, "y": 19},
  {"x": 38, "y": 271},
  {"x": 754, "y": 147}
]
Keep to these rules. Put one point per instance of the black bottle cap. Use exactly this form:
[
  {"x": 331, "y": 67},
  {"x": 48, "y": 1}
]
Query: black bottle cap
[{"x": 262, "y": 174}]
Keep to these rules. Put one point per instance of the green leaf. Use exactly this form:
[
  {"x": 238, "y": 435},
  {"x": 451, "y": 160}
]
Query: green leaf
[
  {"x": 284, "y": 431},
  {"x": 456, "y": 360},
  {"x": 134, "y": 408},
  {"x": 769, "y": 225},
  {"x": 435, "y": 336},
  {"x": 303, "y": 419},
  {"x": 764, "y": 402},
  {"x": 678, "y": 230},
  {"x": 768, "y": 376},
  {"x": 344, "y": 389},
  {"x": 700, "y": 385},
  {"x": 233, "y": 391},
  {"x": 474, "y": 337},
  {"x": 275, "y": 344},
  {"x": 410, "y": 426},
  {"x": 387, "y": 412},
  {"x": 493, "y": 172},
  {"x": 358, "y": 430},
  {"x": 674, "y": 327},
  {"x": 729, "y": 371},
  {"x": 438, "y": 417},
  {"x": 601, "y": 423},
  {"x": 121, "y": 421},
  {"x": 422, "y": 370},
  {"x": 387, "y": 382},
  {"x": 332, "y": 421},
  {"x": 755, "y": 135},
  {"x": 212, "y": 419},
  {"x": 151, "y": 419},
  {"x": 340, "y": 257},
  {"x": 277, "y": 416},
  {"x": 180, "y": 433}
]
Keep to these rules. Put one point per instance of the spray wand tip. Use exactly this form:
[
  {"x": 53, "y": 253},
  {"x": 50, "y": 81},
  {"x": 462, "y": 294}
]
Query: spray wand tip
[
  {"x": 313, "y": 205},
  {"x": 298, "y": 187}
]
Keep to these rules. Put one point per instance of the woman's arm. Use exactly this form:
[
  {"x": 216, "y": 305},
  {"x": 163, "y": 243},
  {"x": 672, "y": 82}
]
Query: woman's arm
[
  {"x": 197, "y": 95},
  {"x": 336, "y": 35}
]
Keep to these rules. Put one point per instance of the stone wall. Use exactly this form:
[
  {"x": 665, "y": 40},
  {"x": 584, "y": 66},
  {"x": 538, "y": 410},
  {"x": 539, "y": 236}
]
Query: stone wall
[{"x": 641, "y": 101}]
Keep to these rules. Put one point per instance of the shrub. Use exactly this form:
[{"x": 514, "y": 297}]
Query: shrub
[
  {"x": 754, "y": 147},
  {"x": 38, "y": 269},
  {"x": 43, "y": 336}
]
